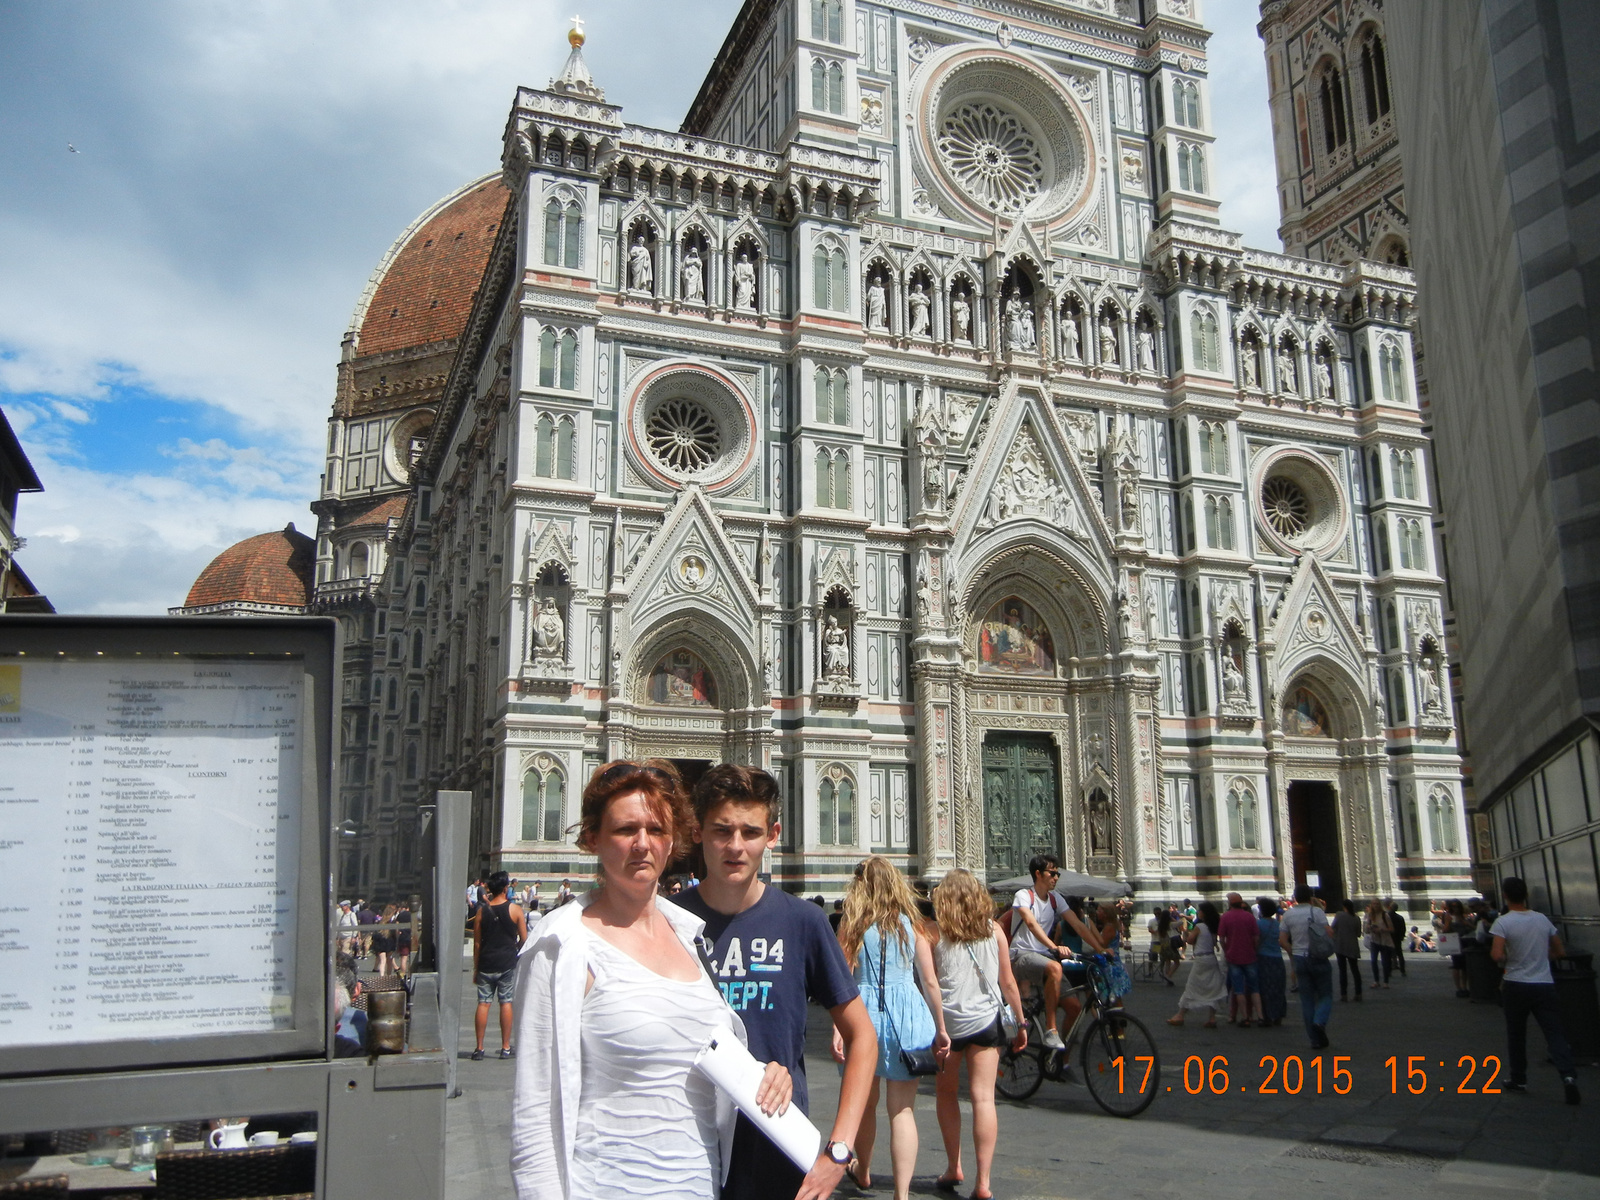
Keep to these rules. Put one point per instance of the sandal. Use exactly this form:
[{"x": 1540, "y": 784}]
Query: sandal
[
  {"x": 947, "y": 1185},
  {"x": 1177, "y": 1021},
  {"x": 860, "y": 1187}
]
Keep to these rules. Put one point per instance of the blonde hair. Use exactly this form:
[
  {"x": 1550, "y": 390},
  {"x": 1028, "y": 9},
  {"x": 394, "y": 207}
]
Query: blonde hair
[
  {"x": 879, "y": 897},
  {"x": 962, "y": 908}
]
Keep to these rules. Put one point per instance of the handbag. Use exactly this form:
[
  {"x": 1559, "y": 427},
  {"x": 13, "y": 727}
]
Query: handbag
[
  {"x": 1449, "y": 943},
  {"x": 1320, "y": 943},
  {"x": 918, "y": 1062},
  {"x": 1009, "y": 1025}
]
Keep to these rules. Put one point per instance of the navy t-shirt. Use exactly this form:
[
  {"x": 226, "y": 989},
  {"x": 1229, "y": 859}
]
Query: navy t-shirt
[{"x": 768, "y": 961}]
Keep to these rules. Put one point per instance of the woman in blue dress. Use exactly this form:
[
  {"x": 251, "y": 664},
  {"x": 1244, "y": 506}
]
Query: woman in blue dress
[{"x": 881, "y": 933}]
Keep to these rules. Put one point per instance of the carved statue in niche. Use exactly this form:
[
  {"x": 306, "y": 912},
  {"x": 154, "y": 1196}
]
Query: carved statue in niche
[
  {"x": 744, "y": 283},
  {"x": 641, "y": 268},
  {"x": 694, "y": 279},
  {"x": 1249, "y": 363},
  {"x": 1151, "y": 612},
  {"x": 1125, "y": 614},
  {"x": 549, "y": 632},
  {"x": 1323, "y": 378},
  {"x": 1129, "y": 492},
  {"x": 1108, "y": 340},
  {"x": 920, "y": 305},
  {"x": 1146, "y": 339},
  {"x": 961, "y": 317},
  {"x": 1021, "y": 332},
  {"x": 1432, "y": 692},
  {"x": 877, "y": 305},
  {"x": 1288, "y": 381},
  {"x": 1099, "y": 823},
  {"x": 924, "y": 598},
  {"x": 1069, "y": 337},
  {"x": 835, "y": 650},
  {"x": 1233, "y": 686}
]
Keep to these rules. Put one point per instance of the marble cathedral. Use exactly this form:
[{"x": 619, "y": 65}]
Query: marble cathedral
[{"x": 905, "y": 423}]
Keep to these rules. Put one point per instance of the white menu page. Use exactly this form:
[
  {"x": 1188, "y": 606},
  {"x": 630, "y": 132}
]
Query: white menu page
[{"x": 149, "y": 823}]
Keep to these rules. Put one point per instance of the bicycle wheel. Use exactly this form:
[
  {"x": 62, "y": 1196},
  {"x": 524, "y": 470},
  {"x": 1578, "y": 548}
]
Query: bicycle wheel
[
  {"x": 1121, "y": 1064},
  {"x": 1019, "y": 1075}
]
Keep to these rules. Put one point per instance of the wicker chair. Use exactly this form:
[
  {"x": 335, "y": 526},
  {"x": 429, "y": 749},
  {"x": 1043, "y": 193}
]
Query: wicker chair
[
  {"x": 258, "y": 1171},
  {"x": 45, "y": 1187}
]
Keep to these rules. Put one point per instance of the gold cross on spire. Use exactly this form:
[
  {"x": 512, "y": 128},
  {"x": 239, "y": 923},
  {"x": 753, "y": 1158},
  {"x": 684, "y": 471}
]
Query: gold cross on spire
[{"x": 575, "y": 34}]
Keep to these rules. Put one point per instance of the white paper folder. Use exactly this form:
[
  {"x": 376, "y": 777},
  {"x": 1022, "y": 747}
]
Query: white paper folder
[{"x": 726, "y": 1062}]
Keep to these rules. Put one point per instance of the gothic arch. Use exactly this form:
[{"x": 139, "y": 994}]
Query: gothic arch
[
  {"x": 719, "y": 647},
  {"x": 1337, "y": 690},
  {"x": 1074, "y": 607}
]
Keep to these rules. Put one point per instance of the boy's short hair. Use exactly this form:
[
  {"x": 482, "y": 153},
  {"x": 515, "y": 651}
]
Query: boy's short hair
[
  {"x": 1514, "y": 889},
  {"x": 730, "y": 783},
  {"x": 1042, "y": 862}
]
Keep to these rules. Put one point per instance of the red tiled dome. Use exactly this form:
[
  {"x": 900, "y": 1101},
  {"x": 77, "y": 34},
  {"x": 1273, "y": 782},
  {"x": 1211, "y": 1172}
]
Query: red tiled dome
[
  {"x": 270, "y": 568},
  {"x": 422, "y": 292}
]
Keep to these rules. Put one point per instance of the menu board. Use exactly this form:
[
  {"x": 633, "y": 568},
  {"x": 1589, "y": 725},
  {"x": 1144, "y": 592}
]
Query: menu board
[{"x": 150, "y": 815}]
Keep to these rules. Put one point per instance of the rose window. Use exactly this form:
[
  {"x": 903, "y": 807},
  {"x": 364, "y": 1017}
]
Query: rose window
[
  {"x": 992, "y": 156},
  {"x": 1286, "y": 506},
  {"x": 683, "y": 436}
]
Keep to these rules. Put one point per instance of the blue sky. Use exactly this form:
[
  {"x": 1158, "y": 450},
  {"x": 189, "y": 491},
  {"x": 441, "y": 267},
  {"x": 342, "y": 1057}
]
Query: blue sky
[{"x": 172, "y": 296}]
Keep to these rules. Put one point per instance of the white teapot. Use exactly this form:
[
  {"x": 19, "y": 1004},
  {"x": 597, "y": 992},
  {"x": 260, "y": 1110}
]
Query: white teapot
[{"x": 227, "y": 1137}]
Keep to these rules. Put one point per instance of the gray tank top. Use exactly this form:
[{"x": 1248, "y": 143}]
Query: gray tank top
[{"x": 970, "y": 993}]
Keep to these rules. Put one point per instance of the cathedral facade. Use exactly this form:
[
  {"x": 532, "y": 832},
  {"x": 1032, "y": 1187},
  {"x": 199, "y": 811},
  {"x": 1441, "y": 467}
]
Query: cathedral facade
[{"x": 907, "y": 424}]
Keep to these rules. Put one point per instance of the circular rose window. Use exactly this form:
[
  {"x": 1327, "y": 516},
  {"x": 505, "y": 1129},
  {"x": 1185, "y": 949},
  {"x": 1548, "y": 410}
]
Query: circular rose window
[
  {"x": 689, "y": 424},
  {"x": 1299, "y": 504},
  {"x": 998, "y": 133},
  {"x": 682, "y": 435}
]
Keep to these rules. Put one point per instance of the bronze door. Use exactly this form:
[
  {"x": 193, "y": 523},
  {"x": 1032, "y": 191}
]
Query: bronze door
[{"x": 1022, "y": 816}]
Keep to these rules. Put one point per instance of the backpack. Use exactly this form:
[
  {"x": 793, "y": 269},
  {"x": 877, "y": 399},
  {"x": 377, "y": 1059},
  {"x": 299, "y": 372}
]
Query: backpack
[
  {"x": 1016, "y": 916},
  {"x": 1321, "y": 944}
]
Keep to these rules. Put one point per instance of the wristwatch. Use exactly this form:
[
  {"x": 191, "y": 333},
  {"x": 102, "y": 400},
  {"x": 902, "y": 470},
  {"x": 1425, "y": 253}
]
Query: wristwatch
[{"x": 840, "y": 1153}]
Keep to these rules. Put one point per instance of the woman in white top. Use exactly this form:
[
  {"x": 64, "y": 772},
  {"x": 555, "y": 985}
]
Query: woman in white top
[
  {"x": 613, "y": 1005},
  {"x": 1208, "y": 984},
  {"x": 973, "y": 963}
]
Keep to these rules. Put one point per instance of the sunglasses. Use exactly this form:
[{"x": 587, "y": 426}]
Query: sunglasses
[{"x": 622, "y": 768}]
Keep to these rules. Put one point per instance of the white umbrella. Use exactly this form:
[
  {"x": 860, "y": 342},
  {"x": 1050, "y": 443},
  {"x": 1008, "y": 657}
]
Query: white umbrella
[{"x": 1071, "y": 883}]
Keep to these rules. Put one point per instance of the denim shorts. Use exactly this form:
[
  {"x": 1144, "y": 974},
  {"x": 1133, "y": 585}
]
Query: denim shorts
[
  {"x": 1244, "y": 980},
  {"x": 496, "y": 985}
]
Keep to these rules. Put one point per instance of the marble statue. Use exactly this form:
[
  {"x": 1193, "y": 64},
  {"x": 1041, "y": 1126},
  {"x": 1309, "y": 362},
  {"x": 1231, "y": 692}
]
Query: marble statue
[
  {"x": 1069, "y": 338},
  {"x": 1108, "y": 339},
  {"x": 1287, "y": 383},
  {"x": 1147, "y": 351},
  {"x": 1323, "y": 379},
  {"x": 1248, "y": 363},
  {"x": 1232, "y": 681},
  {"x": 919, "y": 311},
  {"x": 877, "y": 305},
  {"x": 694, "y": 279},
  {"x": 549, "y": 632},
  {"x": 835, "y": 650},
  {"x": 744, "y": 283},
  {"x": 961, "y": 317},
  {"x": 641, "y": 269}
]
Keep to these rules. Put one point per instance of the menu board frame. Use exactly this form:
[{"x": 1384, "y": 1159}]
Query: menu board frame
[{"x": 315, "y": 643}]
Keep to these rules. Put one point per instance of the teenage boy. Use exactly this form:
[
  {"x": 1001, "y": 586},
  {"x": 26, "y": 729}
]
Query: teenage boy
[
  {"x": 1524, "y": 943},
  {"x": 771, "y": 952}
]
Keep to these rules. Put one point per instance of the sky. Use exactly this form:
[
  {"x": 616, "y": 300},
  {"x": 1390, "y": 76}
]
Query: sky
[{"x": 174, "y": 287}]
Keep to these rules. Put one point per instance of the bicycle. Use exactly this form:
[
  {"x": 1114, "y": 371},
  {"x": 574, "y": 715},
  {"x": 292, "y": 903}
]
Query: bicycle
[{"x": 1119, "y": 1059}]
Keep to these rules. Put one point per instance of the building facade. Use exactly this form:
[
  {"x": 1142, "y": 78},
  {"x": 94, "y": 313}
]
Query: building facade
[
  {"x": 907, "y": 424},
  {"x": 1501, "y": 132},
  {"x": 1340, "y": 184}
]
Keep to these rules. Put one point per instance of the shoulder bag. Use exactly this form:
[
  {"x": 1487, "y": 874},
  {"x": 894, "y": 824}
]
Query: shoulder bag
[
  {"x": 917, "y": 1062},
  {"x": 1009, "y": 1024},
  {"x": 1319, "y": 943}
]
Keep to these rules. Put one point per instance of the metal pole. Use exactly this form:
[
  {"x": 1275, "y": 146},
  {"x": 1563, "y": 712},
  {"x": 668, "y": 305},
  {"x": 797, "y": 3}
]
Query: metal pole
[{"x": 452, "y": 822}]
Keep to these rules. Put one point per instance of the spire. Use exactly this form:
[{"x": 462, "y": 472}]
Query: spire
[{"x": 575, "y": 79}]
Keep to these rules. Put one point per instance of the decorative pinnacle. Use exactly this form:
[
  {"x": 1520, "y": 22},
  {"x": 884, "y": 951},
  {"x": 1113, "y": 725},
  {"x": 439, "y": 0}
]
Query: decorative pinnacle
[{"x": 575, "y": 34}]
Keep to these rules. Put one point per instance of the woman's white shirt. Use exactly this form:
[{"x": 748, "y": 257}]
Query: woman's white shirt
[
  {"x": 968, "y": 992},
  {"x": 552, "y": 976}
]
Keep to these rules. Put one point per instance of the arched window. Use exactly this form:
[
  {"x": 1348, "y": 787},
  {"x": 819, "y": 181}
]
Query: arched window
[
  {"x": 359, "y": 561},
  {"x": 819, "y": 85},
  {"x": 394, "y": 696},
  {"x": 1391, "y": 620},
  {"x": 563, "y": 233},
  {"x": 1403, "y": 470},
  {"x": 1380, "y": 536},
  {"x": 830, "y": 279},
  {"x": 827, "y": 20},
  {"x": 421, "y": 596},
  {"x": 416, "y": 650},
  {"x": 565, "y": 430},
  {"x": 1191, "y": 167},
  {"x": 1436, "y": 834},
  {"x": 411, "y": 760},
  {"x": 836, "y": 89},
  {"x": 1375, "y": 77},
  {"x": 414, "y": 709},
  {"x": 544, "y": 446},
  {"x": 1413, "y": 557},
  {"x": 1397, "y": 696},
  {"x": 1207, "y": 344},
  {"x": 1225, "y": 519},
  {"x": 558, "y": 359},
  {"x": 833, "y": 396},
  {"x": 388, "y": 744},
  {"x": 836, "y": 808},
  {"x": 543, "y": 804},
  {"x": 1391, "y": 370},
  {"x": 833, "y": 478},
  {"x": 1331, "y": 92},
  {"x": 1186, "y": 103},
  {"x": 1376, "y": 482},
  {"x": 1213, "y": 530}
]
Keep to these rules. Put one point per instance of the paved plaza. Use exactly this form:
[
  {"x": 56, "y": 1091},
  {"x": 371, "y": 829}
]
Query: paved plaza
[{"x": 1060, "y": 1146}]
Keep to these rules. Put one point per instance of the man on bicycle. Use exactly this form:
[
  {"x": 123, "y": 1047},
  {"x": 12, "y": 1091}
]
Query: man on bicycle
[{"x": 1036, "y": 958}]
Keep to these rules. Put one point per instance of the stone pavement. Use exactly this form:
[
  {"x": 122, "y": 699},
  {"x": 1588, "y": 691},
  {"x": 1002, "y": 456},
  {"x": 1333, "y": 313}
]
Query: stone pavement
[{"x": 1241, "y": 1143}]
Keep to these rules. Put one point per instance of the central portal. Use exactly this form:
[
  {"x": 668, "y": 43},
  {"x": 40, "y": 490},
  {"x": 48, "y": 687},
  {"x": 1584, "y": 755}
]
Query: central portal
[
  {"x": 1314, "y": 836},
  {"x": 690, "y": 770},
  {"x": 1021, "y": 814}
]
